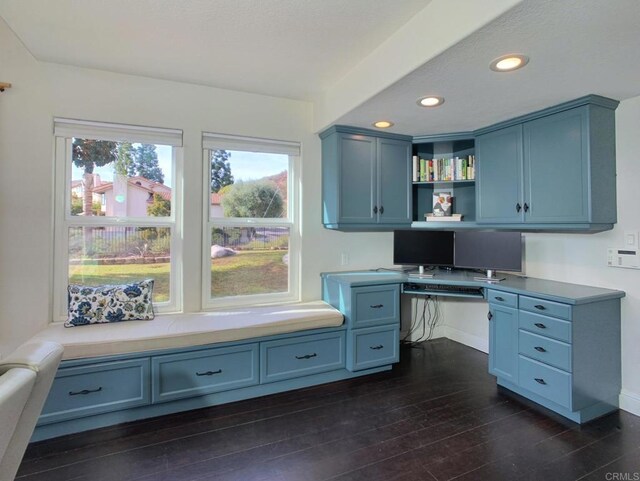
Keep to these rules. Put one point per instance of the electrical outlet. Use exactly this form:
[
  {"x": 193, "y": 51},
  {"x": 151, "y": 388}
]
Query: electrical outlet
[
  {"x": 631, "y": 239},
  {"x": 344, "y": 259}
]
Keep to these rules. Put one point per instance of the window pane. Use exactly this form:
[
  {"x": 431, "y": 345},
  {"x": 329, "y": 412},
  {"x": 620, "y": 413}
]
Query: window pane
[
  {"x": 120, "y": 179},
  {"x": 249, "y": 260},
  {"x": 118, "y": 255},
  {"x": 248, "y": 184}
]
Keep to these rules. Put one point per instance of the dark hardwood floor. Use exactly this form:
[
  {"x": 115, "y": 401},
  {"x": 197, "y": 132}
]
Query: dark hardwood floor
[{"x": 438, "y": 415}]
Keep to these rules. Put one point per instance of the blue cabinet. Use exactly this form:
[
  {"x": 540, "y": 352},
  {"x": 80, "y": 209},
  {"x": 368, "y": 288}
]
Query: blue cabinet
[
  {"x": 365, "y": 179},
  {"x": 550, "y": 169},
  {"x": 503, "y": 342}
]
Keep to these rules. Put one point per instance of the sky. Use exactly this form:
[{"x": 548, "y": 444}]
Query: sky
[{"x": 245, "y": 166}]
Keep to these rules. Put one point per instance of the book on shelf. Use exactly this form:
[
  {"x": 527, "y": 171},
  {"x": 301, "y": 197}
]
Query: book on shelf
[
  {"x": 439, "y": 218},
  {"x": 416, "y": 169}
]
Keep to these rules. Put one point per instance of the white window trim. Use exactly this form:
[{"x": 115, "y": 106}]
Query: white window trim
[
  {"x": 64, "y": 131},
  {"x": 229, "y": 142}
]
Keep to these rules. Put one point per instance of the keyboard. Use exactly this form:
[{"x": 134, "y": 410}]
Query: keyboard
[{"x": 442, "y": 289}]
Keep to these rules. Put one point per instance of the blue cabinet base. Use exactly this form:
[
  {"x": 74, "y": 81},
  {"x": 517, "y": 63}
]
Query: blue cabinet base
[
  {"x": 47, "y": 431},
  {"x": 582, "y": 416}
]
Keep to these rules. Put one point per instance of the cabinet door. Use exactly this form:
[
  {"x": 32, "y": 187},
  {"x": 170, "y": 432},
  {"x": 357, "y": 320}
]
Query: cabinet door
[
  {"x": 556, "y": 162},
  {"x": 358, "y": 173},
  {"x": 499, "y": 176},
  {"x": 503, "y": 342},
  {"x": 394, "y": 169}
]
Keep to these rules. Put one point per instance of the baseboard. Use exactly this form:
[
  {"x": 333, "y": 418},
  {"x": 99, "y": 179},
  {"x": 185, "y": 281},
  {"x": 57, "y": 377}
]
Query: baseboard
[
  {"x": 467, "y": 339},
  {"x": 630, "y": 402}
]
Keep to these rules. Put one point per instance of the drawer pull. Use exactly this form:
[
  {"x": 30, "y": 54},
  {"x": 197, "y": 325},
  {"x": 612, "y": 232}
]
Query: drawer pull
[
  {"x": 540, "y": 325},
  {"x": 540, "y": 307},
  {"x": 498, "y": 298},
  {"x": 376, "y": 348},
  {"x": 540, "y": 349},
  {"x": 377, "y": 306},
  {"x": 307, "y": 356},
  {"x": 540, "y": 380},
  {"x": 209, "y": 373},
  {"x": 84, "y": 391}
]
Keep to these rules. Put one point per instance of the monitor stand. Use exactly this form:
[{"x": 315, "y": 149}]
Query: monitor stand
[
  {"x": 421, "y": 274},
  {"x": 490, "y": 277}
]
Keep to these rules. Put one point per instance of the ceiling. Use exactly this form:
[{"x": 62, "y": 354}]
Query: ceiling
[
  {"x": 301, "y": 49},
  {"x": 283, "y": 48}
]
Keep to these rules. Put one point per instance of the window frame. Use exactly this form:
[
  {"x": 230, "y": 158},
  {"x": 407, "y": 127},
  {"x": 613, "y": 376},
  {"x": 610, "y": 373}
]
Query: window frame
[
  {"x": 64, "y": 132},
  {"x": 213, "y": 142}
]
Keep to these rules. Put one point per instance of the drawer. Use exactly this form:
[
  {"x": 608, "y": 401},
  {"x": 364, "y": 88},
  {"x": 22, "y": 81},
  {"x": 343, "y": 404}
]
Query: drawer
[
  {"x": 502, "y": 298},
  {"x": 96, "y": 389},
  {"x": 372, "y": 347},
  {"x": 375, "y": 305},
  {"x": 301, "y": 356},
  {"x": 548, "y": 308},
  {"x": 546, "y": 381},
  {"x": 545, "y": 326},
  {"x": 189, "y": 374},
  {"x": 544, "y": 349}
]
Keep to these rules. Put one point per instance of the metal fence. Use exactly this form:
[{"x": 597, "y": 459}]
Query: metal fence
[
  {"x": 244, "y": 238},
  {"x": 118, "y": 241}
]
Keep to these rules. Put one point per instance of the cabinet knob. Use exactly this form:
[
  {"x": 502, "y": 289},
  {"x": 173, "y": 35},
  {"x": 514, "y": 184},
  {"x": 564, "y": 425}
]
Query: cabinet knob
[
  {"x": 518, "y": 207},
  {"x": 540, "y": 325},
  {"x": 540, "y": 349},
  {"x": 489, "y": 315},
  {"x": 526, "y": 207},
  {"x": 540, "y": 307},
  {"x": 382, "y": 209},
  {"x": 498, "y": 298},
  {"x": 375, "y": 209},
  {"x": 539, "y": 380}
]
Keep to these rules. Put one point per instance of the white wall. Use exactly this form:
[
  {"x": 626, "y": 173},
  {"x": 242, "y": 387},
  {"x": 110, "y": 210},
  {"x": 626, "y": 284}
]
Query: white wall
[
  {"x": 43, "y": 91},
  {"x": 25, "y": 194},
  {"x": 582, "y": 259}
]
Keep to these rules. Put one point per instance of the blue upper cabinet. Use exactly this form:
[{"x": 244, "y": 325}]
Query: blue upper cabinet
[
  {"x": 499, "y": 176},
  {"x": 553, "y": 169},
  {"x": 365, "y": 179}
]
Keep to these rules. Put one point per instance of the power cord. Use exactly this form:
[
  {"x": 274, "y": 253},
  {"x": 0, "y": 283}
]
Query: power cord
[{"x": 430, "y": 316}]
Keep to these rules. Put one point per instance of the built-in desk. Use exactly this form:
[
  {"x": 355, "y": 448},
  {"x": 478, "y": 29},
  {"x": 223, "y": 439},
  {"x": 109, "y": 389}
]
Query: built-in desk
[{"x": 555, "y": 343}]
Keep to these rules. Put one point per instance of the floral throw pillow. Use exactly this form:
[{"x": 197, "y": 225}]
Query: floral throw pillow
[{"x": 101, "y": 304}]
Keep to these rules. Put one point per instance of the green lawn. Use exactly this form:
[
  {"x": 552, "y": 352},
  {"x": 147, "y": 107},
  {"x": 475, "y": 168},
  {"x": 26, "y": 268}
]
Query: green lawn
[{"x": 248, "y": 272}]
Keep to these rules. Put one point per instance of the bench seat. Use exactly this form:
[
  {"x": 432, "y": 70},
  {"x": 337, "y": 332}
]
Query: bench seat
[{"x": 185, "y": 330}]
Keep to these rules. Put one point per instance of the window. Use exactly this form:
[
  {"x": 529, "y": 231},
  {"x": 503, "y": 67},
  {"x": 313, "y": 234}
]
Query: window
[
  {"x": 251, "y": 236},
  {"x": 117, "y": 208}
]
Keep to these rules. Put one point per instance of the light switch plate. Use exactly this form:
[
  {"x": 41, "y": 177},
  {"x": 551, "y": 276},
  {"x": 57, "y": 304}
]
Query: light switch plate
[{"x": 631, "y": 240}]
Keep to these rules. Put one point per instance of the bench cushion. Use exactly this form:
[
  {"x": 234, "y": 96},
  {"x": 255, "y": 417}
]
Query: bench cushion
[{"x": 184, "y": 330}]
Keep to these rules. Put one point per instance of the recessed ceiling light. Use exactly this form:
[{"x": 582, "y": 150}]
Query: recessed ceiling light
[
  {"x": 430, "y": 101},
  {"x": 508, "y": 63},
  {"x": 382, "y": 124}
]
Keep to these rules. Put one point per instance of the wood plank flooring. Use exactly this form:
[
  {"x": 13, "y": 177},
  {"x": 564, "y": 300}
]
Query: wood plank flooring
[{"x": 437, "y": 416}]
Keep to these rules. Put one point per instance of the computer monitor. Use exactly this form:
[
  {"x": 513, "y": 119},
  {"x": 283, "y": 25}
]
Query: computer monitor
[
  {"x": 423, "y": 248},
  {"x": 488, "y": 251}
]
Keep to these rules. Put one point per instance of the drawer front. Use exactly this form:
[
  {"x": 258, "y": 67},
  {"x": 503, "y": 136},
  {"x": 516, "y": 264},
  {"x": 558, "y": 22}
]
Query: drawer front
[
  {"x": 545, "y": 326},
  {"x": 96, "y": 389},
  {"x": 502, "y": 298},
  {"x": 546, "y": 381},
  {"x": 190, "y": 374},
  {"x": 372, "y": 347},
  {"x": 301, "y": 356},
  {"x": 375, "y": 305},
  {"x": 544, "y": 349},
  {"x": 548, "y": 308}
]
